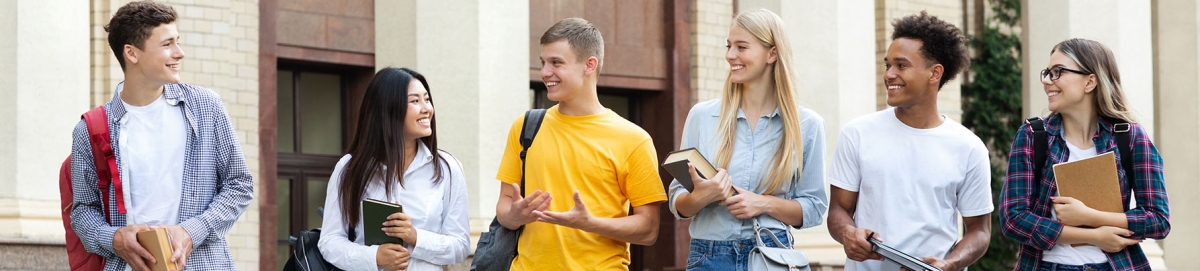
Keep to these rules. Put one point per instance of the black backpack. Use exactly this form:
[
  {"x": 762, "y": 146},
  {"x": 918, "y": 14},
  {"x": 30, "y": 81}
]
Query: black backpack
[
  {"x": 306, "y": 256},
  {"x": 1040, "y": 146},
  {"x": 498, "y": 246}
]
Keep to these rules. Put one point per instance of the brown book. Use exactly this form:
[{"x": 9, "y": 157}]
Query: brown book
[
  {"x": 159, "y": 244},
  {"x": 676, "y": 164},
  {"x": 1093, "y": 181}
]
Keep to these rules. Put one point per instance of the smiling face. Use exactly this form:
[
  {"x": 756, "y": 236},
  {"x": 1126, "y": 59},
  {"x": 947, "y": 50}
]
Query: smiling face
[
  {"x": 159, "y": 58},
  {"x": 749, "y": 61},
  {"x": 1071, "y": 90},
  {"x": 565, "y": 77},
  {"x": 908, "y": 77},
  {"x": 419, "y": 115}
]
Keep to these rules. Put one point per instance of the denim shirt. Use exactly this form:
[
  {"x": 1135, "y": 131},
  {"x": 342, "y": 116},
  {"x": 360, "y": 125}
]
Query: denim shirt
[{"x": 753, "y": 152}]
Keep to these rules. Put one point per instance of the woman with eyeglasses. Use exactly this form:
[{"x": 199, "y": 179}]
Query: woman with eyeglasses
[{"x": 1088, "y": 111}]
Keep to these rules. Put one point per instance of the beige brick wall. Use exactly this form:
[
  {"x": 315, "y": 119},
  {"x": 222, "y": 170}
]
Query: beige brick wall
[
  {"x": 220, "y": 40},
  {"x": 950, "y": 98},
  {"x": 710, "y": 27}
]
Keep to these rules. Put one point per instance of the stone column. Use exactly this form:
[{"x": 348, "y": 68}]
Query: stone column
[
  {"x": 478, "y": 73},
  {"x": 43, "y": 91},
  {"x": 834, "y": 77},
  {"x": 1176, "y": 69}
]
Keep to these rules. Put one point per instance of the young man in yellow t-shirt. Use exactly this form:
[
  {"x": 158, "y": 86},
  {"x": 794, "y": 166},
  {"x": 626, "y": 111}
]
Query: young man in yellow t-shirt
[{"x": 585, "y": 169}]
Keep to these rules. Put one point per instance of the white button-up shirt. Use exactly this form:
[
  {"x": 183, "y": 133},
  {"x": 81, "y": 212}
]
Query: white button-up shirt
[{"x": 439, "y": 212}]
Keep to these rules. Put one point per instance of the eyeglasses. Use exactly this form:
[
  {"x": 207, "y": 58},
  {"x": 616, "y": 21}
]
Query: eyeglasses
[{"x": 1056, "y": 72}]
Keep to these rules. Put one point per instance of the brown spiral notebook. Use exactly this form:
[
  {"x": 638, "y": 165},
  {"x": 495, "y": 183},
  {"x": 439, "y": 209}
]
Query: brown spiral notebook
[{"x": 1093, "y": 181}]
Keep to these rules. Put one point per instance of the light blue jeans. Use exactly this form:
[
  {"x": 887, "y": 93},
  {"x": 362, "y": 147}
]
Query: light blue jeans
[{"x": 726, "y": 254}]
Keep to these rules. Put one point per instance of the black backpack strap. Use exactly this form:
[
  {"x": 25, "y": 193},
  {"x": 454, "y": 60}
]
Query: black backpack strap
[
  {"x": 533, "y": 122},
  {"x": 1039, "y": 146},
  {"x": 1121, "y": 130}
]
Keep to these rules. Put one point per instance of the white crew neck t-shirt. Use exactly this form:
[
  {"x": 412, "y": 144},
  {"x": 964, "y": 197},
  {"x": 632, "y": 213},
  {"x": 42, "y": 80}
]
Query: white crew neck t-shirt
[
  {"x": 1066, "y": 254},
  {"x": 912, "y": 183},
  {"x": 151, "y": 143}
]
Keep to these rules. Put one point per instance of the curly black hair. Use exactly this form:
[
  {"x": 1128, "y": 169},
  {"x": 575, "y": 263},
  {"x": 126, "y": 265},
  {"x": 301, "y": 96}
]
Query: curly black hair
[
  {"x": 133, "y": 23},
  {"x": 942, "y": 42}
]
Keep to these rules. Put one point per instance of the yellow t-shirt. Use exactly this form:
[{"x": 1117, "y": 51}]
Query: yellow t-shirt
[{"x": 609, "y": 160}]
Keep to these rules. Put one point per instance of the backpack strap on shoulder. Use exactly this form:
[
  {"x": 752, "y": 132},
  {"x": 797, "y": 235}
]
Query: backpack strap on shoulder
[
  {"x": 1039, "y": 146},
  {"x": 104, "y": 157},
  {"x": 1121, "y": 131},
  {"x": 529, "y": 130}
]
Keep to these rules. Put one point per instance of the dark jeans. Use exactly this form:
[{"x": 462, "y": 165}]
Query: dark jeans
[
  {"x": 1049, "y": 266},
  {"x": 726, "y": 254}
]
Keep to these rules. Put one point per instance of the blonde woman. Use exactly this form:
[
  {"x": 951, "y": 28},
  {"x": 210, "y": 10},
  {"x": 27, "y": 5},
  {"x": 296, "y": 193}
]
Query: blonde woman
[
  {"x": 1061, "y": 233},
  {"x": 768, "y": 149}
]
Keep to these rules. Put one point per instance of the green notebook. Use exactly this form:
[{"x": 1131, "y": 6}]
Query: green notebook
[{"x": 375, "y": 212}]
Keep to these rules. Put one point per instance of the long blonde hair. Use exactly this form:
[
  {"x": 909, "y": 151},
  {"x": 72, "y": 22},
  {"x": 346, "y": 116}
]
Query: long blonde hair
[
  {"x": 768, "y": 28},
  {"x": 1095, "y": 58}
]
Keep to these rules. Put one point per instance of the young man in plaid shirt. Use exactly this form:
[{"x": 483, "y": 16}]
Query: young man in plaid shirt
[{"x": 181, "y": 167}]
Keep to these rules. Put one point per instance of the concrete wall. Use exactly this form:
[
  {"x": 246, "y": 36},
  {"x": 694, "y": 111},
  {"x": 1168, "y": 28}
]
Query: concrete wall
[
  {"x": 481, "y": 73},
  {"x": 346, "y": 25},
  {"x": 43, "y": 91}
]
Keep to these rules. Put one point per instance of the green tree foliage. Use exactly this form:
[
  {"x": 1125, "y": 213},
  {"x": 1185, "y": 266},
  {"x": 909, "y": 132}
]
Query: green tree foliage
[{"x": 992, "y": 109}]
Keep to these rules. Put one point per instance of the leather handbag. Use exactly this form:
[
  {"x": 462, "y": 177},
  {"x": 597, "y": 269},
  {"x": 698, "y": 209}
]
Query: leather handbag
[{"x": 763, "y": 258}]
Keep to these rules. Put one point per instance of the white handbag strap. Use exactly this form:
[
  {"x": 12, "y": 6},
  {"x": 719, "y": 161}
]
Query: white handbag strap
[{"x": 758, "y": 236}]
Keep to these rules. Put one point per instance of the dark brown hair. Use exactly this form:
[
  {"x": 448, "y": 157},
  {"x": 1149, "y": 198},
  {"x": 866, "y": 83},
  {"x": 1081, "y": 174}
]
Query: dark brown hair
[
  {"x": 378, "y": 140},
  {"x": 584, "y": 38},
  {"x": 133, "y": 23},
  {"x": 941, "y": 42}
]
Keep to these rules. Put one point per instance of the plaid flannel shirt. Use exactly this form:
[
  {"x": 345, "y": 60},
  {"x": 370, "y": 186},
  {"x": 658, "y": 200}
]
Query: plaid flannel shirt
[
  {"x": 217, "y": 185},
  {"x": 1025, "y": 203}
]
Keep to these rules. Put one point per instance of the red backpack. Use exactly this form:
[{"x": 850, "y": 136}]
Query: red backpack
[{"x": 106, "y": 168}]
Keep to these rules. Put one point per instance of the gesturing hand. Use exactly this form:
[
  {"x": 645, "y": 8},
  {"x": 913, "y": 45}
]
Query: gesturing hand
[
  {"x": 523, "y": 208},
  {"x": 126, "y": 246},
  {"x": 1072, "y": 212},
  {"x": 715, "y": 188},
  {"x": 399, "y": 225},
  {"x": 578, "y": 217},
  {"x": 746, "y": 204}
]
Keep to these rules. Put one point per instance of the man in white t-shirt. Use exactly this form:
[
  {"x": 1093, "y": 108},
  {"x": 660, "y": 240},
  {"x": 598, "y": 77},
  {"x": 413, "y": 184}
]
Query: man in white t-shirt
[
  {"x": 906, "y": 173},
  {"x": 180, "y": 165}
]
